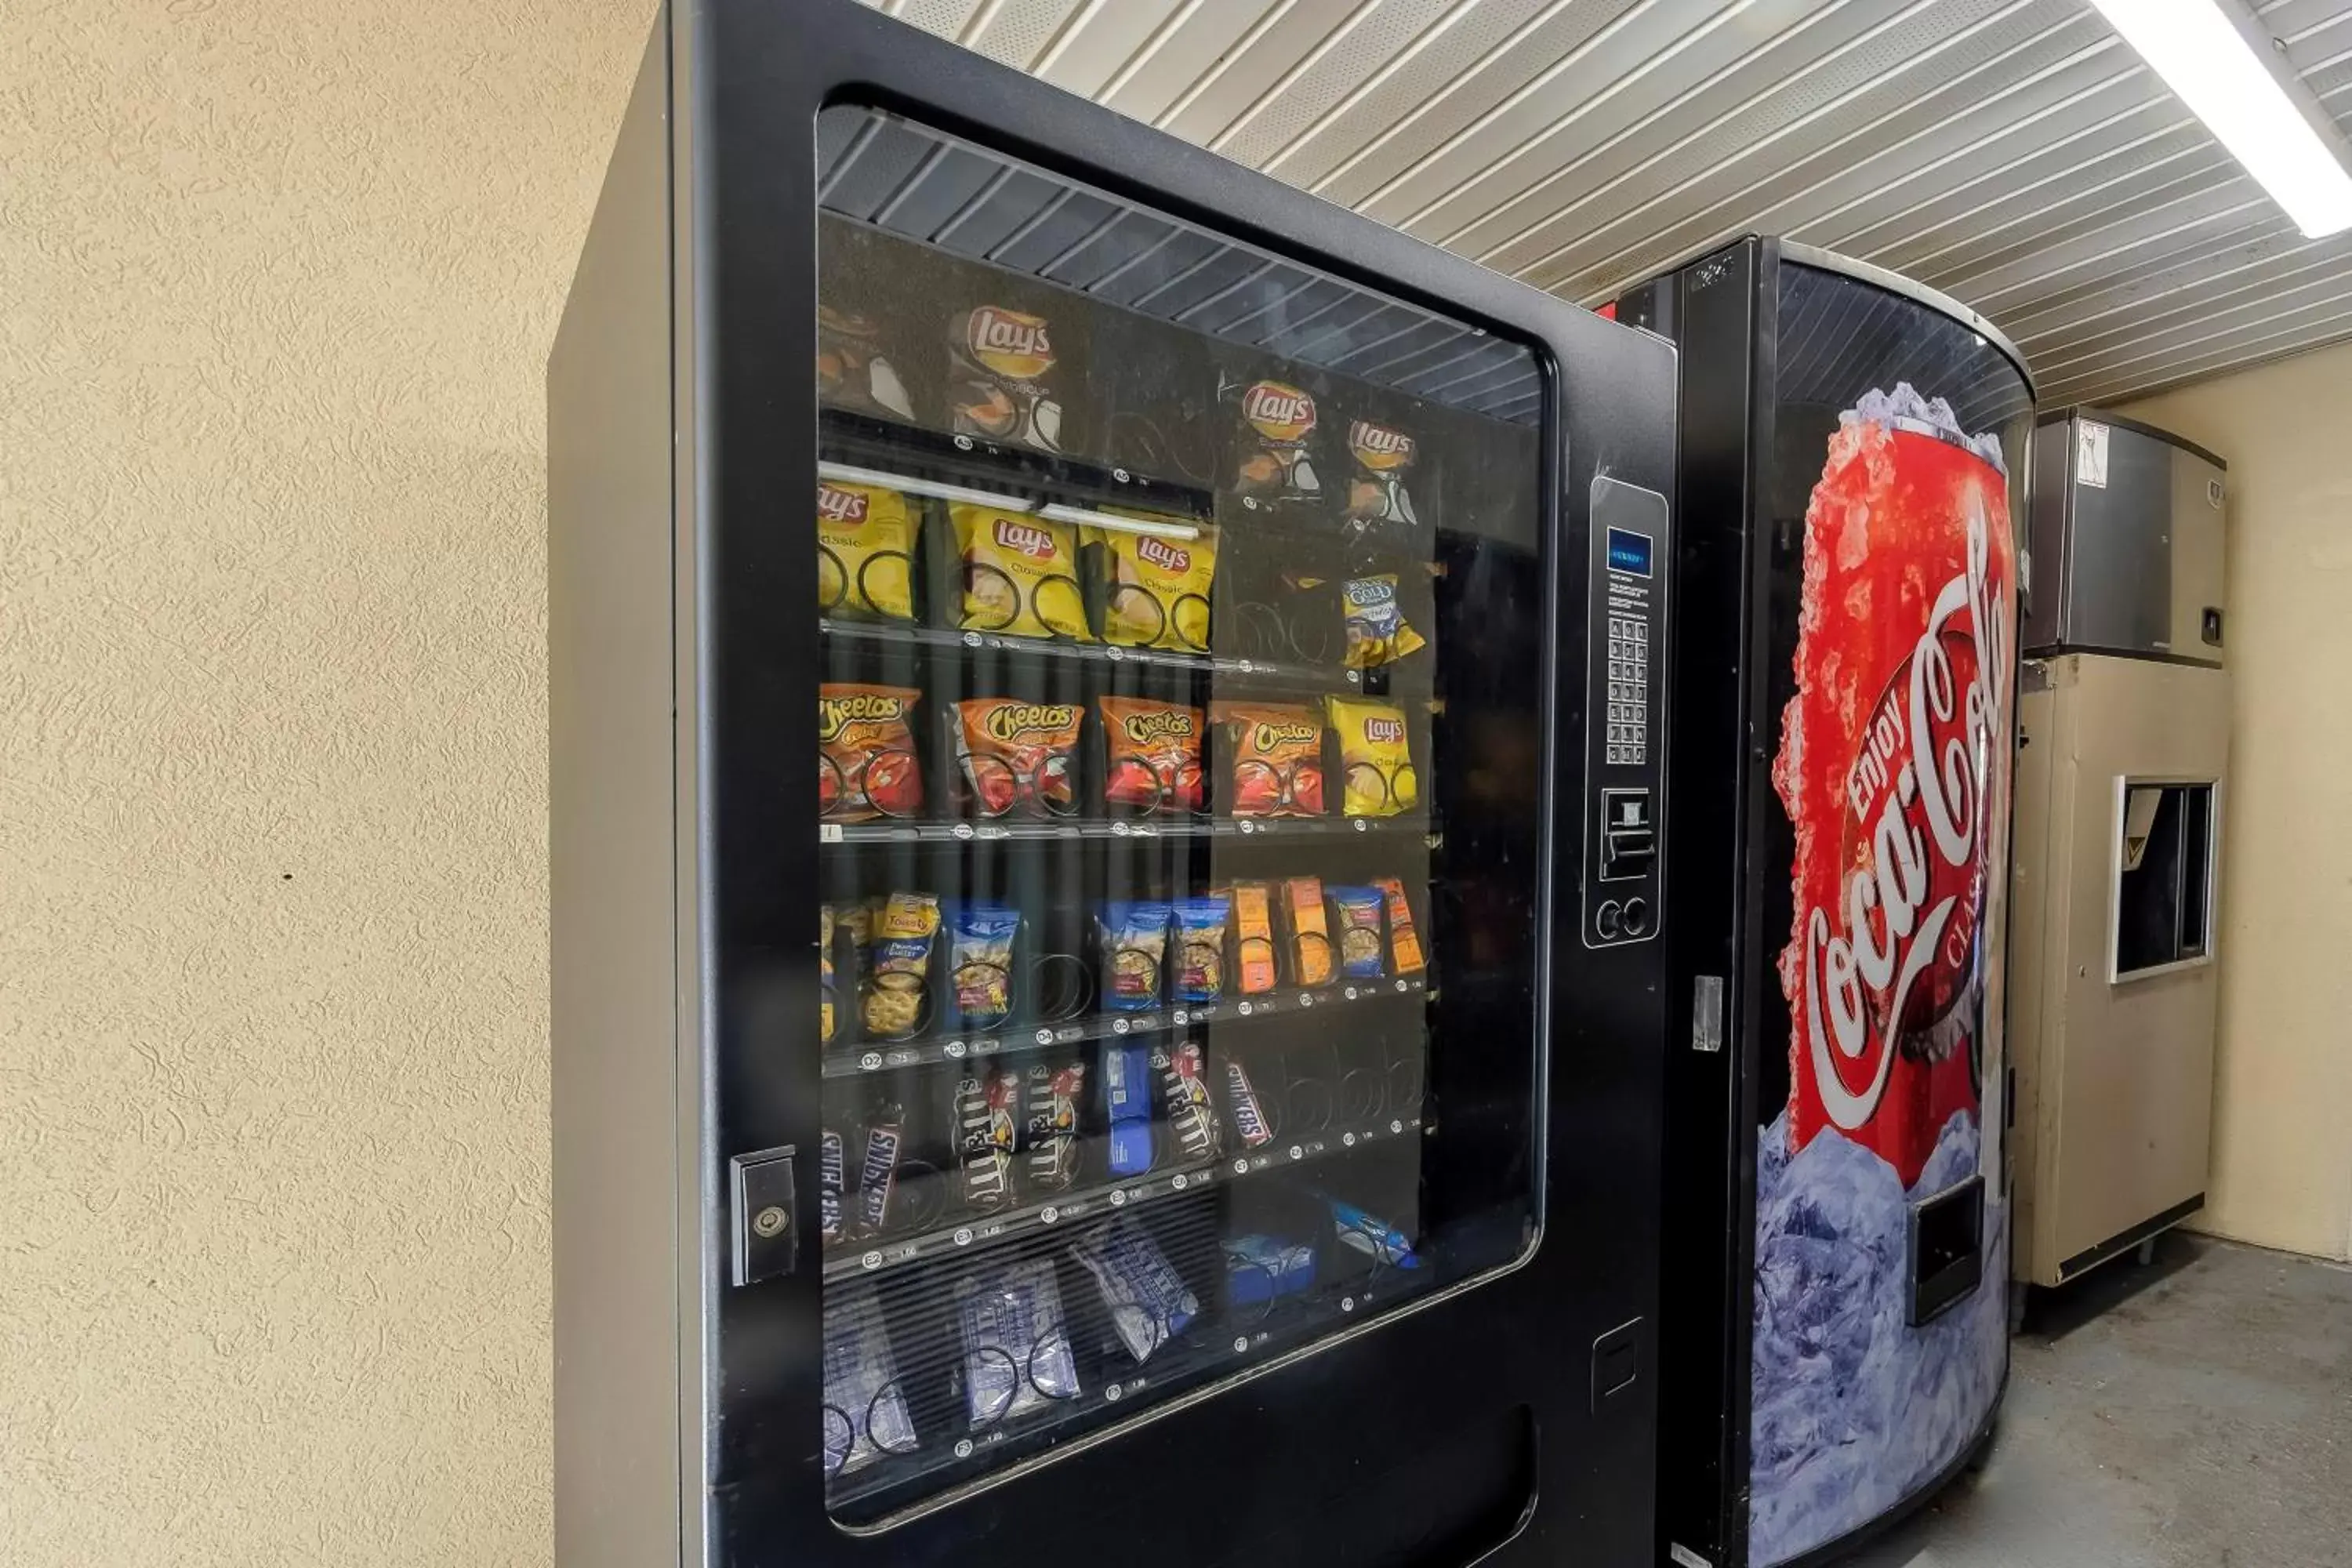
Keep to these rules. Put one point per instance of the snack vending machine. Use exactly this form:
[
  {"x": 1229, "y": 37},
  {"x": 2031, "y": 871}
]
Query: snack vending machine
[
  {"x": 1106, "y": 984},
  {"x": 1835, "y": 1333}
]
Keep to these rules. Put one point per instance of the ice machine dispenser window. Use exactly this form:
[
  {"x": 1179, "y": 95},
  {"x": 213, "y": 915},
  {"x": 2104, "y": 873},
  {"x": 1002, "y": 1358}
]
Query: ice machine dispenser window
[{"x": 1181, "y": 781}]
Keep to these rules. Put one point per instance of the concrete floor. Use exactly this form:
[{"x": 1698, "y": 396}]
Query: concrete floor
[{"x": 2193, "y": 1412}]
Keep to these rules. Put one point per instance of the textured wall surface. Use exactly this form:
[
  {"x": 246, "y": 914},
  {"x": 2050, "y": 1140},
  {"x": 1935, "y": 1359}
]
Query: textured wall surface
[
  {"x": 276, "y": 284},
  {"x": 2282, "y": 1154}
]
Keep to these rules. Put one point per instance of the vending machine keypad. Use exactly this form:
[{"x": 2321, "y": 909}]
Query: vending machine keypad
[{"x": 1626, "y": 606}]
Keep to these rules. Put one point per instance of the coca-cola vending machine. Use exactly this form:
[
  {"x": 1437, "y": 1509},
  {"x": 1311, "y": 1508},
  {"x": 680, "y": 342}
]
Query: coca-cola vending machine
[{"x": 1834, "y": 1333}]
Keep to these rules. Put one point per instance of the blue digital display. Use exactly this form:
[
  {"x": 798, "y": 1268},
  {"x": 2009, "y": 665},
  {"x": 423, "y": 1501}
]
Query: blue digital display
[{"x": 1629, "y": 552}]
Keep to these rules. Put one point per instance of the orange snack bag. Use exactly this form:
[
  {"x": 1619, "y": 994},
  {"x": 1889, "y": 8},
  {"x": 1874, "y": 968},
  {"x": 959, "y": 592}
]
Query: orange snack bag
[
  {"x": 1310, "y": 934},
  {"x": 1254, "y": 937}
]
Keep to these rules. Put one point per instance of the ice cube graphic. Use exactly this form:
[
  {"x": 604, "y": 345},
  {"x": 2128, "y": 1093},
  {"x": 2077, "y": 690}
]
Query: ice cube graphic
[{"x": 1854, "y": 1408}]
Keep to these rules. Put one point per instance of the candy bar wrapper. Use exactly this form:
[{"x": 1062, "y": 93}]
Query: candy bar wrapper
[
  {"x": 1016, "y": 1346},
  {"x": 1258, "y": 1268},
  {"x": 1050, "y": 1125},
  {"x": 865, "y": 1407},
  {"x": 1148, "y": 1299},
  {"x": 1127, "y": 1094},
  {"x": 1405, "y": 942},
  {"x": 1242, "y": 1104},
  {"x": 1183, "y": 1080},
  {"x": 878, "y": 1178},
  {"x": 984, "y": 1107},
  {"x": 1375, "y": 1238},
  {"x": 832, "y": 1178}
]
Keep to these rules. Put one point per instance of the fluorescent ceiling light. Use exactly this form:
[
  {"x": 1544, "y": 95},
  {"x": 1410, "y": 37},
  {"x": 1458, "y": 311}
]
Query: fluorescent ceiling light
[{"x": 2211, "y": 53}]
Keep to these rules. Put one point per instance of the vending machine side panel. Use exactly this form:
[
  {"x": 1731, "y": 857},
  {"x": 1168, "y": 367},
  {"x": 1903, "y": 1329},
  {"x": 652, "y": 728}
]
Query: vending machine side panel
[
  {"x": 1718, "y": 309},
  {"x": 627, "y": 1442}
]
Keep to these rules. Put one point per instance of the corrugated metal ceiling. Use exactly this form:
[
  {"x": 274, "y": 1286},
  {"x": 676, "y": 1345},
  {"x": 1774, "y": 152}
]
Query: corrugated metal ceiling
[{"x": 2014, "y": 153}]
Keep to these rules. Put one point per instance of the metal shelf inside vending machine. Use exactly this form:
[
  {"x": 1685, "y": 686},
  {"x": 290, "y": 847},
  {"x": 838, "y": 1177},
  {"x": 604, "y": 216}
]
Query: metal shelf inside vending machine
[
  {"x": 888, "y": 1055},
  {"x": 1413, "y": 825},
  {"x": 1227, "y": 670},
  {"x": 977, "y": 1233}
]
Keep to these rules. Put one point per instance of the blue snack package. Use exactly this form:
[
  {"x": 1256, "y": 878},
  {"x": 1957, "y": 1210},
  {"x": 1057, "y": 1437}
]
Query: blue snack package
[
  {"x": 980, "y": 964},
  {"x": 865, "y": 1407},
  {"x": 1016, "y": 1346},
  {"x": 1376, "y": 1239},
  {"x": 1360, "y": 931},
  {"x": 1200, "y": 966},
  {"x": 1148, "y": 1299},
  {"x": 1127, "y": 1095},
  {"x": 1134, "y": 956},
  {"x": 1258, "y": 1268}
]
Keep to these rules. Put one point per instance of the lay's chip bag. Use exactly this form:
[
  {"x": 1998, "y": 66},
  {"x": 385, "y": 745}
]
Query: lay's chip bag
[
  {"x": 1156, "y": 586},
  {"x": 1383, "y": 454},
  {"x": 864, "y": 551},
  {"x": 1377, "y": 777},
  {"x": 1001, "y": 365},
  {"x": 1020, "y": 574}
]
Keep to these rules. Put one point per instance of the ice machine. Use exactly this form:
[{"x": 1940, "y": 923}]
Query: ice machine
[
  {"x": 2121, "y": 793},
  {"x": 1832, "y": 1324},
  {"x": 1107, "y": 845}
]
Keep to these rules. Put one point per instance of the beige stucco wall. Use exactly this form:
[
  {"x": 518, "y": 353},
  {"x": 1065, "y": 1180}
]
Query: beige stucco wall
[
  {"x": 2283, "y": 1114},
  {"x": 277, "y": 283}
]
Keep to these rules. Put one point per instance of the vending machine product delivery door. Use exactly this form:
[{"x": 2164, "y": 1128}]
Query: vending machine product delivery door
[
  {"x": 1107, "y": 846},
  {"x": 1834, "y": 1328}
]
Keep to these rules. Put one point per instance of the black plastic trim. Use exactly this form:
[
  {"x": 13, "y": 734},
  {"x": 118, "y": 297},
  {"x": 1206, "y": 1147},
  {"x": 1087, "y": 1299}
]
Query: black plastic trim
[{"x": 2124, "y": 1241}]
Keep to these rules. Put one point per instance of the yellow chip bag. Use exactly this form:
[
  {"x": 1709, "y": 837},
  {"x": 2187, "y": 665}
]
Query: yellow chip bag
[
  {"x": 1020, "y": 574},
  {"x": 1156, "y": 586},
  {"x": 1376, "y": 772},
  {"x": 864, "y": 551}
]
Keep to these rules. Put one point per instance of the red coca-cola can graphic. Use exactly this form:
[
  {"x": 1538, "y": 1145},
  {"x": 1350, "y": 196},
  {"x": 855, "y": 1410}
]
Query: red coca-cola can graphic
[{"x": 1893, "y": 765}]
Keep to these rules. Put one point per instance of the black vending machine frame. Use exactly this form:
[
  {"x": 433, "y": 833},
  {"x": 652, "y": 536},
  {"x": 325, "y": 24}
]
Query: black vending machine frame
[
  {"x": 1722, "y": 310},
  {"x": 682, "y": 406}
]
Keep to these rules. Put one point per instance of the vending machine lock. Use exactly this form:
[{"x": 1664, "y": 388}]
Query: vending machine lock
[{"x": 765, "y": 1242}]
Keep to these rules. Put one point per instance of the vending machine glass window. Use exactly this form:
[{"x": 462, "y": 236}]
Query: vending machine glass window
[{"x": 1183, "y": 617}]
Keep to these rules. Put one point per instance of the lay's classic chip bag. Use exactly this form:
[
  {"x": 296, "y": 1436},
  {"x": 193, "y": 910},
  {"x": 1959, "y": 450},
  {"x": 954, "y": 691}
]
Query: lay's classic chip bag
[
  {"x": 864, "y": 551},
  {"x": 1156, "y": 587},
  {"x": 1377, "y": 777},
  {"x": 1020, "y": 574}
]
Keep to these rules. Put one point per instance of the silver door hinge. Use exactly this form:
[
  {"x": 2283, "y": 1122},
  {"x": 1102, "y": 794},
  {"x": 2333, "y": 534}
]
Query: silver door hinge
[{"x": 1707, "y": 1013}]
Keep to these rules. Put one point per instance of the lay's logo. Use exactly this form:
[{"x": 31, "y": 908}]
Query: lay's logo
[
  {"x": 1161, "y": 553},
  {"x": 1383, "y": 731},
  {"x": 1026, "y": 538},
  {"x": 1280, "y": 412},
  {"x": 1009, "y": 342},
  {"x": 1378, "y": 447},
  {"x": 835, "y": 504}
]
